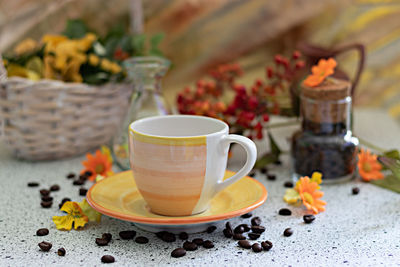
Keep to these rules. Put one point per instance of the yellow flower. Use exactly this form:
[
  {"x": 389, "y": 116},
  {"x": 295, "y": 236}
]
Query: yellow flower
[
  {"x": 316, "y": 177},
  {"x": 115, "y": 68},
  {"x": 75, "y": 217},
  {"x": 291, "y": 196},
  {"x": 94, "y": 60},
  {"x": 105, "y": 150},
  {"x": 26, "y": 46},
  {"x": 52, "y": 41},
  {"x": 92, "y": 215},
  {"x": 16, "y": 70},
  {"x": 105, "y": 64}
]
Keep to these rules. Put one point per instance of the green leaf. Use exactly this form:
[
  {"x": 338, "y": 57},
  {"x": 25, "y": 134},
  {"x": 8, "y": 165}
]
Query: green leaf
[
  {"x": 274, "y": 147},
  {"x": 155, "y": 40},
  {"x": 138, "y": 44},
  {"x": 391, "y": 182},
  {"x": 270, "y": 157},
  {"x": 392, "y": 164},
  {"x": 394, "y": 154},
  {"x": 75, "y": 29}
]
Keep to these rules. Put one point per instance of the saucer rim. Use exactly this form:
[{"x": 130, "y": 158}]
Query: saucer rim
[{"x": 178, "y": 221}]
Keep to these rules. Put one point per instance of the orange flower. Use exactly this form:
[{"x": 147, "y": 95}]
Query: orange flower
[
  {"x": 324, "y": 69},
  {"x": 368, "y": 166},
  {"x": 97, "y": 164},
  {"x": 309, "y": 194}
]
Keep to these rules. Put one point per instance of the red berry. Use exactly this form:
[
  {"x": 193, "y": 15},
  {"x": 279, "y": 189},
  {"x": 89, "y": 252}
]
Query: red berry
[
  {"x": 200, "y": 83},
  {"x": 253, "y": 102},
  {"x": 278, "y": 59},
  {"x": 270, "y": 72},
  {"x": 265, "y": 117},
  {"x": 300, "y": 64},
  {"x": 285, "y": 62},
  {"x": 259, "y": 82},
  {"x": 296, "y": 54},
  {"x": 259, "y": 133}
]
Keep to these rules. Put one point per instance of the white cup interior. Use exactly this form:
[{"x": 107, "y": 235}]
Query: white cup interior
[{"x": 179, "y": 126}]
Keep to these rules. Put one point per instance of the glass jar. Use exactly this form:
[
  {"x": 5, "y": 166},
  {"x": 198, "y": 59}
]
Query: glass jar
[
  {"x": 325, "y": 142},
  {"x": 145, "y": 75}
]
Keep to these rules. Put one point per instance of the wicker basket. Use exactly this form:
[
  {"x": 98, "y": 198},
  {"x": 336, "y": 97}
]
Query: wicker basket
[{"x": 49, "y": 119}]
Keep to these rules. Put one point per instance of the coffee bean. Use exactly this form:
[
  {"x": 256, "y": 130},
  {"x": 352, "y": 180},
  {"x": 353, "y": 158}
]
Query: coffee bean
[
  {"x": 246, "y": 215},
  {"x": 264, "y": 170},
  {"x": 278, "y": 162},
  {"x": 83, "y": 177},
  {"x": 168, "y": 237},
  {"x": 228, "y": 226},
  {"x": 288, "y": 232},
  {"x": 198, "y": 241},
  {"x": 55, "y": 187},
  {"x": 227, "y": 233},
  {"x": 88, "y": 173},
  {"x": 127, "y": 234},
  {"x": 267, "y": 245},
  {"x": 46, "y": 204},
  {"x": 141, "y": 240},
  {"x": 189, "y": 246},
  {"x": 258, "y": 229},
  {"x": 42, "y": 232},
  {"x": 208, "y": 244},
  {"x": 355, "y": 190},
  {"x": 61, "y": 252},
  {"x": 239, "y": 237},
  {"x": 271, "y": 177},
  {"x": 256, "y": 247},
  {"x": 244, "y": 244},
  {"x": 33, "y": 184},
  {"x": 107, "y": 236},
  {"x": 63, "y": 201},
  {"x": 78, "y": 182},
  {"x": 252, "y": 174},
  {"x": 47, "y": 198},
  {"x": 71, "y": 175},
  {"x": 246, "y": 227},
  {"x": 107, "y": 259},
  {"x": 183, "y": 236},
  {"x": 160, "y": 234},
  {"x": 178, "y": 252},
  {"x": 309, "y": 218},
  {"x": 285, "y": 212},
  {"x": 239, "y": 230},
  {"x": 256, "y": 221},
  {"x": 101, "y": 242},
  {"x": 211, "y": 229},
  {"x": 45, "y": 246},
  {"x": 254, "y": 236},
  {"x": 288, "y": 184},
  {"x": 44, "y": 192},
  {"x": 82, "y": 191}
]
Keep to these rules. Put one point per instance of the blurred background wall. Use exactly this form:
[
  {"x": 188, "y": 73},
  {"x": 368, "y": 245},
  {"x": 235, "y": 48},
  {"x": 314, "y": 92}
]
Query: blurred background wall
[{"x": 203, "y": 33}]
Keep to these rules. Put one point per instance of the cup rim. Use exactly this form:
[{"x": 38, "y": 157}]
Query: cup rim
[{"x": 222, "y": 131}]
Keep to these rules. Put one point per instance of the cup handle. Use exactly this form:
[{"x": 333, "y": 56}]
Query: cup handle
[{"x": 251, "y": 152}]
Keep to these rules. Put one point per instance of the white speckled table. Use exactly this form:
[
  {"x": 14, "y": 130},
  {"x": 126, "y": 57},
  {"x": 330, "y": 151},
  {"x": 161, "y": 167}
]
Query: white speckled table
[{"x": 355, "y": 230}]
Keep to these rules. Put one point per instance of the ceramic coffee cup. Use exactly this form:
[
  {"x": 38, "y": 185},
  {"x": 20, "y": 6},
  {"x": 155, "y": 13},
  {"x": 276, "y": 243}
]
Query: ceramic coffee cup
[{"x": 179, "y": 161}]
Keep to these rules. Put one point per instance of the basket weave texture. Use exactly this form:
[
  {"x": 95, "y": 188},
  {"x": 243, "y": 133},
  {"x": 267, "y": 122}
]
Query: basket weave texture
[{"x": 49, "y": 119}]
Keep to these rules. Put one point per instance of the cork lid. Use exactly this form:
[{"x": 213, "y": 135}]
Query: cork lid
[{"x": 330, "y": 89}]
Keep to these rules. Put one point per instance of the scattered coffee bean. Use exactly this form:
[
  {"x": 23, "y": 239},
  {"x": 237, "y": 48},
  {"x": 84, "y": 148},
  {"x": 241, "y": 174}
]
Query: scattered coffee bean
[
  {"x": 256, "y": 247},
  {"x": 61, "y": 252},
  {"x": 246, "y": 215},
  {"x": 239, "y": 237},
  {"x": 211, "y": 229},
  {"x": 88, "y": 173},
  {"x": 45, "y": 246},
  {"x": 63, "y": 201},
  {"x": 71, "y": 175},
  {"x": 78, "y": 182},
  {"x": 355, "y": 190},
  {"x": 254, "y": 236},
  {"x": 168, "y": 237},
  {"x": 239, "y": 229},
  {"x": 83, "y": 177},
  {"x": 246, "y": 227},
  {"x": 244, "y": 244},
  {"x": 288, "y": 184},
  {"x": 285, "y": 212},
  {"x": 42, "y": 232},
  {"x": 127, "y": 234},
  {"x": 178, "y": 252},
  {"x": 33, "y": 184},
  {"x": 189, "y": 246},
  {"x": 198, "y": 241},
  {"x": 267, "y": 245},
  {"x": 44, "y": 192},
  {"x": 227, "y": 233},
  {"x": 55, "y": 187},
  {"x": 252, "y": 174},
  {"x": 263, "y": 170},
  {"x": 46, "y": 204},
  {"x": 271, "y": 177},
  {"x": 107, "y": 259},
  {"x": 183, "y": 236},
  {"x": 47, "y": 198},
  {"x": 141, "y": 240},
  {"x": 309, "y": 218},
  {"x": 278, "y": 162},
  {"x": 208, "y": 244},
  {"x": 160, "y": 234},
  {"x": 101, "y": 242},
  {"x": 258, "y": 229},
  {"x": 228, "y": 226},
  {"x": 107, "y": 236},
  {"x": 288, "y": 232},
  {"x": 82, "y": 191},
  {"x": 256, "y": 221}
]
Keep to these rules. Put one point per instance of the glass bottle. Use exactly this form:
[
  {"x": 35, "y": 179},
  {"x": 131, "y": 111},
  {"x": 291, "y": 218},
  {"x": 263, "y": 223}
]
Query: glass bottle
[
  {"x": 145, "y": 74},
  {"x": 325, "y": 142}
]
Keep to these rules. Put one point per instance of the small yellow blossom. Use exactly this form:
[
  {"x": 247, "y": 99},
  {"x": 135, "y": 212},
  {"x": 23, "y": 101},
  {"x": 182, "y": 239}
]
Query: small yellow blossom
[
  {"x": 106, "y": 151},
  {"x": 75, "y": 217},
  {"x": 93, "y": 60},
  {"x": 115, "y": 68},
  {"x": 26, "y": 46},
  {"x": 291, "y": 196}
]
